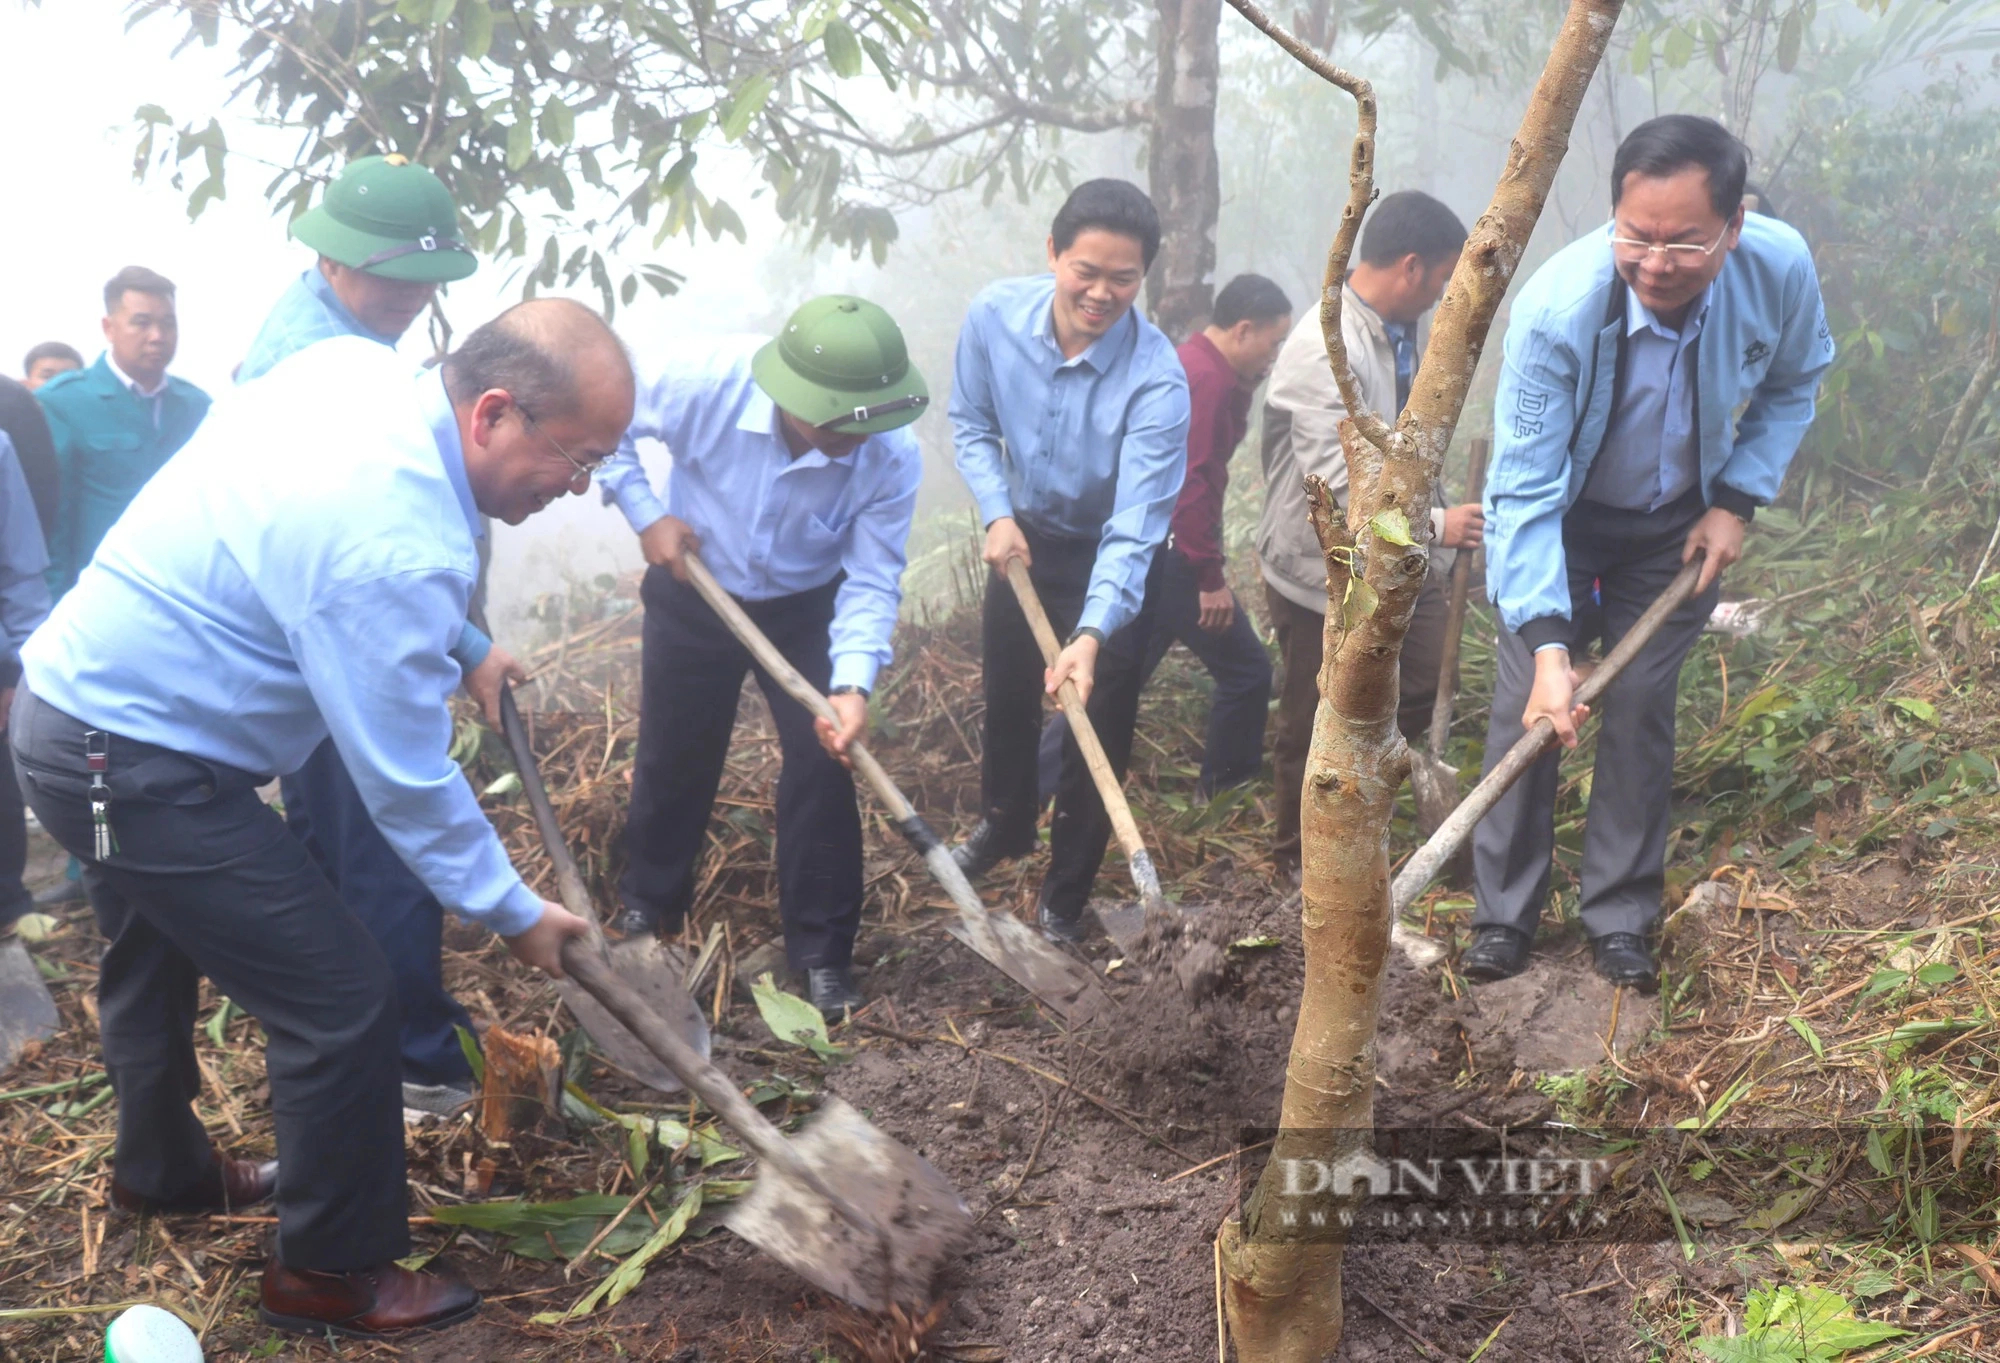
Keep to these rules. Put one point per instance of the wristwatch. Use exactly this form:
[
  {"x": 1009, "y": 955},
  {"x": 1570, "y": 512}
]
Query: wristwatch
[
  {"x": 849, "y": 689},
  {"x": 1082, "y": 630}
]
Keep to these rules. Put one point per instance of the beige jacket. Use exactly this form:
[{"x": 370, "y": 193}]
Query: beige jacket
[{"x": 1302, "y": 415}]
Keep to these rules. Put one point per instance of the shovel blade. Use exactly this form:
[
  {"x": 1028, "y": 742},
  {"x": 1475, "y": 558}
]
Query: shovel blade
[
  {"x": 655, "y": 972},
  {"x": 1020, "y": 953},
  {"x": 27, "y": 1012},
  {"x": 921, "y": 1222}
]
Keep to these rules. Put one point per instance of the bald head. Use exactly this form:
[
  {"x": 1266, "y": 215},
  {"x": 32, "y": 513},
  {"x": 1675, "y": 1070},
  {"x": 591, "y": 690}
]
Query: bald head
[{"x": 543, "y": 393}]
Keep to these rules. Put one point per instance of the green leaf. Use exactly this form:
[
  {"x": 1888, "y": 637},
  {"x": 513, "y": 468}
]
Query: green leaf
[
  {"x": 1678, "y": 48},
  {"x": 638, "y": 1148},
  {"x": 792, "y": 1019},
  {"x": 219, "y": 1023},
  {"x": 506, "y": 784},
  {"x": 468, "y": 1046},
  {"x": 1916, "y": 709},
  {"x": 558, "y": 122},
  {"x": 1790, "y": 34},
  {"x": 1391, "y": 525},
  {"x": 529, "y": 1218},
  {"x": 1358, "y": 603},
  {"x": 1808, "y": 1035},
  {"x": 1786, "y": 1206},
  {"x": 1873, "y": 1282},
  {"x": 520, "y": 143},
  {"x": 613, "y": 1288},
  {"x": 749, "y": 102},
  {"x": 476, "y": 31},
  {"x": 1254, "y": 943},
  {"x": 152, "y": 113},
  {"x": 1937, "y": 972},
  {"x": 36, "y": 927},
  {"x": 843, "y": 49}
]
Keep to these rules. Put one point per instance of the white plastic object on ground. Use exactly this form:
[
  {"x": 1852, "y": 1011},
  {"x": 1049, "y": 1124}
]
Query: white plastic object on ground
[{"x": 147, "y": 1334}]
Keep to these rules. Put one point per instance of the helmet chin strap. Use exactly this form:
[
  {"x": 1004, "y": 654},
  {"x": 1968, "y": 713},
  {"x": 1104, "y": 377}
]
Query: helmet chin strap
[{"x": 861, "y": 414}]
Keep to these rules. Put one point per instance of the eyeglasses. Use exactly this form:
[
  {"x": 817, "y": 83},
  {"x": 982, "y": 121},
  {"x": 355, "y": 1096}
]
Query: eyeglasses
[
  {"x": 1679, "y": 253},
  {"x": 583, "y": 470}
]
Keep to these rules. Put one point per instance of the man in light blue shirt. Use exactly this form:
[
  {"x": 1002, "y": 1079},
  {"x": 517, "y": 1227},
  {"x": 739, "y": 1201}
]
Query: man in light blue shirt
[
  {"x": 1070, "y": 415},
  {"x": 24, "y": 603},
  {"x": 1619, "y": 455},
  {"x": 794, "y": 475},
  {"x": 373, "y": 278},
  {"x": 243, "y": 609}
]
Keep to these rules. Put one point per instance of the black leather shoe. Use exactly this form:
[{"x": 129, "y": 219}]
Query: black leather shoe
[
  {"x": 984, "y": 850},
  {"x": 831, "y": 989},
  {"x": 1624, "y": 958},
  {"x": 1497, "y": 952},
  {"x": 1068, "y": 931}
]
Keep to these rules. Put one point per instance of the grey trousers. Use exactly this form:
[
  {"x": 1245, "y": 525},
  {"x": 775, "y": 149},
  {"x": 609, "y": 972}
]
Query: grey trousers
[{"x": 1624, "y": 559}]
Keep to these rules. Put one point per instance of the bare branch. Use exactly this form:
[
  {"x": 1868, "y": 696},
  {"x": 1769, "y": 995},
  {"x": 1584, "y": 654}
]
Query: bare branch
[{"x": 1360, "y": 193}]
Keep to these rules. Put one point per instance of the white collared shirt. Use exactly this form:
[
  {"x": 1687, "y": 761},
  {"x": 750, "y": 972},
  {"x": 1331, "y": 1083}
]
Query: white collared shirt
[{"x": 138, "y": 390}]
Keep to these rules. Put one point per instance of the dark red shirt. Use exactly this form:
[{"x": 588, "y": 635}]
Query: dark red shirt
[{"x": 1218, "y": 419}]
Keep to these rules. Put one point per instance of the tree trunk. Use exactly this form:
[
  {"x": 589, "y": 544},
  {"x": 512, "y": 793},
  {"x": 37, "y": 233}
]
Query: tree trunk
[
  {"x": 1181, "y": 164},
  {"x": 1282, "y": 1285}
]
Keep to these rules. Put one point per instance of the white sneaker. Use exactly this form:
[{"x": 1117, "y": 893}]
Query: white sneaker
[{"x": 439, "y": 1100}]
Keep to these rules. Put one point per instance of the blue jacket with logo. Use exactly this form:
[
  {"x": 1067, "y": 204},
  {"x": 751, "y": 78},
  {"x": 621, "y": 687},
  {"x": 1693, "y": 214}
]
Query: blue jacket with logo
[{"x": 1763, "y": 347}]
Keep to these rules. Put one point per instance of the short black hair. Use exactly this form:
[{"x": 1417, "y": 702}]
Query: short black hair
[
  {"x": 135, "y": 279},
  {"x": 1662, "y": 146},
  {"x": 51, "y": 350},
  {"x": 1411, "y": 222},
  {"x": 1109, "y": 206},
  {"x": 1249, "y": 297}
]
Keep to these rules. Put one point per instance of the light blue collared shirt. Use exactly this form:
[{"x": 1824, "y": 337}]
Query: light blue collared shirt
[
  {"x": 24, "y": 564},
  {"x": 246, "y": 607},
  {"x": 307, "y": 312},
  {"x": 1093, "y": 447},
  {"x": 772, "y": 524},
  {"x": 1651, "y": 453}
]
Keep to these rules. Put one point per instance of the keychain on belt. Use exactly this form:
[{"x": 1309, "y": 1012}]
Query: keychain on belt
[{"x": 97, "y": 757}]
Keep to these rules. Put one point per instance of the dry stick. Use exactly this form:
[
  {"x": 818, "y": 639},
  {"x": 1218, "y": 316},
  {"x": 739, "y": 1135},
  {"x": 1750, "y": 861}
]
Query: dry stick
[
  {"x": 1144, "y": 877},
  {"x": 1421, "y": 869}
]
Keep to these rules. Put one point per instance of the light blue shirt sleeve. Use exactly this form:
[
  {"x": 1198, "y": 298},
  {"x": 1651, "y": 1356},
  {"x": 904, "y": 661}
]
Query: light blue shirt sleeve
[
  {"x": 24, "y": 562},
  {"x": 1527, "y": 491},
  {"x": 375, "y": 660},
  {"x": 975, "y": 420},
  {"x": 1152, "y": 464},
  {"x": 864, "y": 612},
  {"x": 623, "y": 478},
  {"x": 472, "y": 647},
  {"x": 1780, "y": 411}
]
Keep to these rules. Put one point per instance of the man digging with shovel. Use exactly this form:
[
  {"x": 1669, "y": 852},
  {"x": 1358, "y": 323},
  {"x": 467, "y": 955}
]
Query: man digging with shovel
[
  {"x": 1618, "y": 455},
  {"x": 243, "y": 609},
  {"x": 794, "y": 477}
]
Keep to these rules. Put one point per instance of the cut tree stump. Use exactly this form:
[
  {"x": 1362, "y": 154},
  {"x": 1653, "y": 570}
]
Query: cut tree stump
[{"x": 523, "y": 1086}]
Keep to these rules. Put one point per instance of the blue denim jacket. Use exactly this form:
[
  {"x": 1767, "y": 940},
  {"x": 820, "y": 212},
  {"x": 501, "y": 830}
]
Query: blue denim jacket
[{"x": 1764, "y": 345}]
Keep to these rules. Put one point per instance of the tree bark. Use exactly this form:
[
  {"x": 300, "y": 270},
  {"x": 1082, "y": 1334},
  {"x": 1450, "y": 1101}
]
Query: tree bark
[
  {"x": 1181, "y": 164},
  {"x": 1282, "y": 1285}
]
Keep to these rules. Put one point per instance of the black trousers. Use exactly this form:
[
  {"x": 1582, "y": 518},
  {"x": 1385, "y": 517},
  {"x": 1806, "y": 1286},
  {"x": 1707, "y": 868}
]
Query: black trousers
[
  {"x": 1235, "y": 659},
  {"x": 14, "y": 897},
  {"x": 205, "y": 880},
  {"x": 1629, "y": 557},
  {"x": 326, "y": 812},
  {"x": 1014, "y": 691},
  {"x": 691, "y": 676}
]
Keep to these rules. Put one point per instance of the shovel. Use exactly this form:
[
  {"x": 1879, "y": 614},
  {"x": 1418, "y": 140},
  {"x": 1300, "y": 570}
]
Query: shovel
[
  {"x": 1144, "y": 878},
  {"x": 882, "y": 1239},
  {"x": 642, "y": 962},
  {"x": 1005, "y": 941},
  {"x": 1423, "y": 868},
  {"x": 1434, "y": 780}
]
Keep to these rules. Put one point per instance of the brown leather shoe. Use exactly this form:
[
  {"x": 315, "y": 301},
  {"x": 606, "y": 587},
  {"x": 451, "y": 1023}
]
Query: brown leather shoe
[
  {"x": 363, "y": 1305},
  {"x": 227, "y": 1185}
]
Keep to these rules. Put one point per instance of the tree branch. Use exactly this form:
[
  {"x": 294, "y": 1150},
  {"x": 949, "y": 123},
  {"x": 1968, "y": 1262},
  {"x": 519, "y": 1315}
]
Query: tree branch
[{"x": 1360, "y": 193}]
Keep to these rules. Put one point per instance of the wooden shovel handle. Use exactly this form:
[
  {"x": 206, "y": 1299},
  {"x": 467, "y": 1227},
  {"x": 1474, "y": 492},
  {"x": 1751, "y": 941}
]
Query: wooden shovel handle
[
  {"x": 1423, "y": 868},
  {"x": 570, "y": 888},
  {"x": 1108, "y": 788},
  {"x": 1454, "y": 620},
  {"x": 793, "y": 682}
]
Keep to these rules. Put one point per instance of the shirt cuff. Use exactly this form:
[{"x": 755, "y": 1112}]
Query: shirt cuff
[
  {"x": 641, "y": 505},
  {"x": 994, "y": 506},
  {"x": 855, "y": 669},
  {"x": 472, "y": 647},
  {"x": 1545, "y": 631},
  {"x": 1737, "y": 503},
  {"x": 518, "y": 910},
  {"x": 1097, "y": 615},
  {"x": 1437, "y": 526}
]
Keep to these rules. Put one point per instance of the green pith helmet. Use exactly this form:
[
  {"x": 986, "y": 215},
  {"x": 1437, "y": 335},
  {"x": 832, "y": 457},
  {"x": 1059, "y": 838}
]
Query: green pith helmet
[
  {"x": 840, "y": 364},
  {"x": 392, "y": 218}
]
